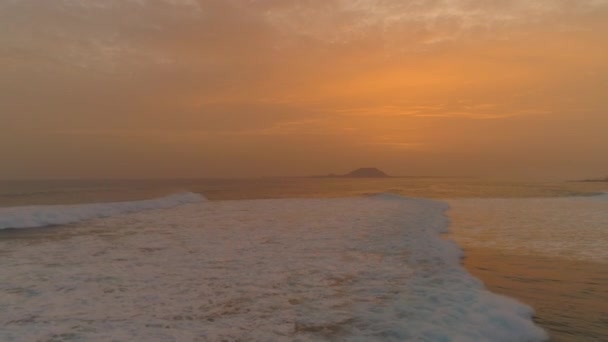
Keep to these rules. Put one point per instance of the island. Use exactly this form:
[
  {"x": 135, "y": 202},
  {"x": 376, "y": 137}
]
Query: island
[{"x": 364, "y": 172}]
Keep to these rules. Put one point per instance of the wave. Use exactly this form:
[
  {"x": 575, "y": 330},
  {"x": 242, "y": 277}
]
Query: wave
[
  {"x": 603, "y": 195},
  {"x": 356, "y": 269},
  {"x": 49, "y": 215}
]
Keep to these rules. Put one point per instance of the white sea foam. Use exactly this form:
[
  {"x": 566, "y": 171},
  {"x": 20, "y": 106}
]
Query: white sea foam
[
  {"x": 263, "y": 270},
  {"x": 46, "y": 215}
]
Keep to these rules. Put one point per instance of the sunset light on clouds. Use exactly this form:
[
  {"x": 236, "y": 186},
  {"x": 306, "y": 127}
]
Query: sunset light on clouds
[{"x": 237, "y": 88}]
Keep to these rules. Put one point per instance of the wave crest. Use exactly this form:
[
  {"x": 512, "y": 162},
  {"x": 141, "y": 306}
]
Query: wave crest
[{"x": 48, "y": 215}]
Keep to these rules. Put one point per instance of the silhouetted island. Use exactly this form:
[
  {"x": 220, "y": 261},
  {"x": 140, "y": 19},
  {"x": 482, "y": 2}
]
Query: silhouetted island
[
  {"x": 364, "y": 172},
  {"x": 367, "y": 172}
]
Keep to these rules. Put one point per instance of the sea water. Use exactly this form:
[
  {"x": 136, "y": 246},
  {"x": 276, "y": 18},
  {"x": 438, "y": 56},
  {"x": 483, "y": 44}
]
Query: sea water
[{"x": 340, "y": 263}]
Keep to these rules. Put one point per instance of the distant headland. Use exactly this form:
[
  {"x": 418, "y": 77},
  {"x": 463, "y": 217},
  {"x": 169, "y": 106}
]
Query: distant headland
[
  {"x": 364, "y": 172},
  {"x": 593, "y": 180}
]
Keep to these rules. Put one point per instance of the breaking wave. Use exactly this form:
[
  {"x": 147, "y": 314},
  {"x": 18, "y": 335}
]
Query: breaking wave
[{"x": 48, "y": 215}]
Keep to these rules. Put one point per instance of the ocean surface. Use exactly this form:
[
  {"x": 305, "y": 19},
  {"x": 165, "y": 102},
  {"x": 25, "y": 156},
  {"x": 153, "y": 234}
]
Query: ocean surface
[{"x": 303, "y": 259}]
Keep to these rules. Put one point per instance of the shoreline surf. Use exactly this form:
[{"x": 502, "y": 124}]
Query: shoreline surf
[
  {"x": 355, "y": 268},
  {"x": 569, "y": 296},
  {"x": 499, "y": 280}
]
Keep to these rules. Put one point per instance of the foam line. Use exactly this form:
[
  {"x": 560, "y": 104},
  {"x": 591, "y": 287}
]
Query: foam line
[{"x": 47, "y": 215}]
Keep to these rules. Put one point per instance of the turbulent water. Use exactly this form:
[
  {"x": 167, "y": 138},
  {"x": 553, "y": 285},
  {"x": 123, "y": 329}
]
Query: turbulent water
[{"x": 103, "y": 260}]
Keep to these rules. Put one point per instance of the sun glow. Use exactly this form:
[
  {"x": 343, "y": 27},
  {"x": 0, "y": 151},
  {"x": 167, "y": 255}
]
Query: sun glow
[{"x": 335, "y": 83}]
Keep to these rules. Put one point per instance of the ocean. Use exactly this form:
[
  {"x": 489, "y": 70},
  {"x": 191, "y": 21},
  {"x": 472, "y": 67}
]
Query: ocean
[{"x": 299, "y": 259}]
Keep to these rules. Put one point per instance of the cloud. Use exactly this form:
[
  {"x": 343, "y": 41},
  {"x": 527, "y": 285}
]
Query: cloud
[
  {"x": 121, "y": 36},
  {"x": 102, "y": 35},
  {"x": 359, "y": 75},
  {"x": 414, "y": 22},
  {"x": 118, "y": 35}
]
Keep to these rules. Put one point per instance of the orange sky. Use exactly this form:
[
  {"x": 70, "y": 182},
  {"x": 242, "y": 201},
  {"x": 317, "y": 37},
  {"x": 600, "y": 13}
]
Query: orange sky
[{"x": 186, "y": 88}]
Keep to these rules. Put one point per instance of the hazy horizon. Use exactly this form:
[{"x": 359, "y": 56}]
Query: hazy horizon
[
  {"x": 330, "y": 175},
  {"x": 125, "y": 89}
]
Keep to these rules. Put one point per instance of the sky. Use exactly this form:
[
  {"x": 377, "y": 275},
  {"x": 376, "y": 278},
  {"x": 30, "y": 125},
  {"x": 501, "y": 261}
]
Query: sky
[{"x": 249, "y": 88}]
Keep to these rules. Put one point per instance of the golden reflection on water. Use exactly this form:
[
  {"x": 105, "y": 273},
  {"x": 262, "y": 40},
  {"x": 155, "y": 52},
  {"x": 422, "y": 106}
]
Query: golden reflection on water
[{"x": 570, "y": 297}]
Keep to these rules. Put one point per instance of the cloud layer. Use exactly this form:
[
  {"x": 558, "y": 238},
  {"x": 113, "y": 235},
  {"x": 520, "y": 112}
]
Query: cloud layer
[{"x": 342, "y": 83}]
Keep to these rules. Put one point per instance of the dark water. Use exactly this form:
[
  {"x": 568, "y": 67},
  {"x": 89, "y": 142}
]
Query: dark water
[{"x": 20, "y": 193}]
